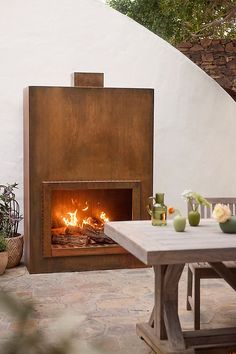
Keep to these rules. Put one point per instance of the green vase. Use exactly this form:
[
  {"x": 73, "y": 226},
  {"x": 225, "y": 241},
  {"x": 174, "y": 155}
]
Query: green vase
[
  {"x": 194, "y": 218},
  {"x": 229, "y": 227},
  {"x": 179, "y": 223},
  {"x": 157, "y": 209}
]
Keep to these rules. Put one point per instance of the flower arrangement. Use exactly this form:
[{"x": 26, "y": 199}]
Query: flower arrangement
[
  {"x": 226, "y": 220},
  {"x": 195, "y": 199},
  {"x": 221, "y": 213}
]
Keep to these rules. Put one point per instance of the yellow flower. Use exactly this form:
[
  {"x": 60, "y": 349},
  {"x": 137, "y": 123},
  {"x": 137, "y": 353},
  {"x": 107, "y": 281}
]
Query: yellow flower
[{"x": 221, "y": 213}]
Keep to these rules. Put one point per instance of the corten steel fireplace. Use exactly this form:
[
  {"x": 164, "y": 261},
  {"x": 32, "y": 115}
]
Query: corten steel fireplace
[{"x": 87, "y": 159}]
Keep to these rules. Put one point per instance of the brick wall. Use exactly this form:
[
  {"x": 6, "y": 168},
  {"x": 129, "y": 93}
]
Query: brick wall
[{"x": 216, "y": 57}]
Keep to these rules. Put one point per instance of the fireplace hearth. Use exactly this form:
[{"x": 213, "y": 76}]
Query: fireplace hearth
[{"x": 87, "y": 160}]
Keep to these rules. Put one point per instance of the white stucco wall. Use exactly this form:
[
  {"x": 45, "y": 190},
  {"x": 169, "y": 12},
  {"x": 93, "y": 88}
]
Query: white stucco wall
[{"x": 43, "y": 42}]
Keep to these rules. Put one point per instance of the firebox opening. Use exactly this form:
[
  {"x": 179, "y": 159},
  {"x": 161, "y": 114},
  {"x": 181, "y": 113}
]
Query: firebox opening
[{"x": 78, "y": 216}]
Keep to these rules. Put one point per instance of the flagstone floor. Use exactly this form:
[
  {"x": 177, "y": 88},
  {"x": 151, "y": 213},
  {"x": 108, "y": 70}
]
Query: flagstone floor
[{"x": 108, "y": 304}]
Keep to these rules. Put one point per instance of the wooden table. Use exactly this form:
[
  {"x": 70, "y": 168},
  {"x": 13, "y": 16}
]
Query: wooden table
[{"x": 168, "y": 251}]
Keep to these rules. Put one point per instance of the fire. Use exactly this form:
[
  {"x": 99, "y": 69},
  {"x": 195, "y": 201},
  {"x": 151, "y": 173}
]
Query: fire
[
  {"x": 86, "y": 207},
  {"x": 85, "y": 221},
  {"x": 72, "y": 220},
  {"x": 103, "y": 217}
]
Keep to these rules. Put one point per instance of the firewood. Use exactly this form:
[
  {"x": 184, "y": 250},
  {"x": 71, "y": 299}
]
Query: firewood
[
  {"x": 95, "y": 222},
  {"x": 71, "y": 230},
  {"x": 97, "y": 234},
  {"x": 81, "y": 236},
  {"x": 74, "y": 240}
]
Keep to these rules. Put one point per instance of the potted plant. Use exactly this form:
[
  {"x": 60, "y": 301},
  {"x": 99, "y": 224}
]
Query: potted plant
[
  {"x": 3, "y": 254},
  {"x": 9, "y": 222}
]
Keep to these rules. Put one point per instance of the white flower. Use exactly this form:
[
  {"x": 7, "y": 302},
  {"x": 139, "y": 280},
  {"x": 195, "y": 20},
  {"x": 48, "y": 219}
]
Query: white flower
[
  {"x": 221, "y": 213},
  {"x": 187, "y": 193}
]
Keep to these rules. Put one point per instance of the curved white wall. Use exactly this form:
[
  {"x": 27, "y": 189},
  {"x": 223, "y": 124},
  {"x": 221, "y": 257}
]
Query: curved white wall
[{"x": 43, "y": 42}]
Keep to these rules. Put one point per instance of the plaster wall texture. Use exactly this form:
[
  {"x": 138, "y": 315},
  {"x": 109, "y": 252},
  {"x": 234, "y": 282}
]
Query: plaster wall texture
[{"x": 43, "y": 42}]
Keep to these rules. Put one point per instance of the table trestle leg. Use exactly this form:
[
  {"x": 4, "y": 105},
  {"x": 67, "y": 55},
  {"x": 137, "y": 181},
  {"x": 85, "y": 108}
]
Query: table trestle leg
[
  {"x": 171, "y": 317},
  {"x": 163, "y": 331},
  {"x": 158, "y": 311}
]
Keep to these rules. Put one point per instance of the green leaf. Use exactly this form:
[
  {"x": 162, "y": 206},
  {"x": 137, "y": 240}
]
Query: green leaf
[{"x": 182, "y": 20}]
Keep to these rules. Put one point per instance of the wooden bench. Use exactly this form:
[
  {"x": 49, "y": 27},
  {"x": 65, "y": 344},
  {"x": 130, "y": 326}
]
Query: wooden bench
[{"x": 198, "y": 271}]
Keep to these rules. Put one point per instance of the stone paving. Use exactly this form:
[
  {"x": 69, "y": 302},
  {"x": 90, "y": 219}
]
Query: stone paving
[{"x": 108, "y": 304}]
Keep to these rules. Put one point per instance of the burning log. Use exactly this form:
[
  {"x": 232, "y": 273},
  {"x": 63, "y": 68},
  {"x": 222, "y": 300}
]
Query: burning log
[
  {"x": 70, "y": 240},
  {"x": 72, "y": 230},
  {"x": 80, "y": 236},
  {"x": 89, "y": 231},
  {"x": 97, "y": 234},
  {"x": 71, "y": 236},
  {"x": 94, "y": 222}
]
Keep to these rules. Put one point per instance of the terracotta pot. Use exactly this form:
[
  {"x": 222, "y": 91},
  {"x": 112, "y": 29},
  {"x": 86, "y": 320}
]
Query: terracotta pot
[
  {"x": 194, "y": 218},
  {"x": 3, "y": 261},
  {"x": 15, "y": 250}
]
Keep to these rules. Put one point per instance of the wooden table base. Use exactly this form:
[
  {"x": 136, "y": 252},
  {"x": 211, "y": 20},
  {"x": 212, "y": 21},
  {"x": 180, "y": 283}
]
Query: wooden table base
[
  {"x": 163, "y": 332},
  {"x": 195, "y": 343},
  {"x": 146, "y": 332}
]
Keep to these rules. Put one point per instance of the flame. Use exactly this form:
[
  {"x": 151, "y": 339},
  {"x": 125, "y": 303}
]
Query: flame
[
  {"x": 85, "y": 221},
  {"x": 103, "y": 217},
  {"x": 72, "y": 221},
  {"x": 86, "y": 207}
]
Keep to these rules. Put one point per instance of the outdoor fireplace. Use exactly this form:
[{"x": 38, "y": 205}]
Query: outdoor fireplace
[
  {"x": 87, "y": 159},
  {"x": 75, "y": 214}
]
